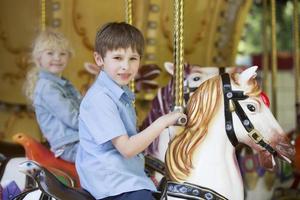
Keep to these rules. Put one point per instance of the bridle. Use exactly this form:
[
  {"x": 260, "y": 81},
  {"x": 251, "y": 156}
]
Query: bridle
[{"x": 231, "y": 104}]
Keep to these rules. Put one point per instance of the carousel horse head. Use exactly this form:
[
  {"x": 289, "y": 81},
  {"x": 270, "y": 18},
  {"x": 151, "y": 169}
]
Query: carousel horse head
[
  {"x": 194, "y": 75},
  {"x": 224, "y": 111}
]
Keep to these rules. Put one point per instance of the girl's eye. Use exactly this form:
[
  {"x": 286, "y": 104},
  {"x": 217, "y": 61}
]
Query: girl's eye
[
  {"x": 251, "y": 107},
  {"x": 117, "y": 58},
  {"x": 63, "y": 53},
  {"x": 49, "y": 52}
]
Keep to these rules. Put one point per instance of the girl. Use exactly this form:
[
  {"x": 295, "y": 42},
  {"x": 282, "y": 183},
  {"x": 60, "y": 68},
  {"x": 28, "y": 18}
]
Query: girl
[{"x": 55, "y": 100}]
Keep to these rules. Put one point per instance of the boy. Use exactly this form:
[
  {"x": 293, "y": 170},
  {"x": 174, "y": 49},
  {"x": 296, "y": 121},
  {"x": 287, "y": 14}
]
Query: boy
[{"x": 109, "y": 161}]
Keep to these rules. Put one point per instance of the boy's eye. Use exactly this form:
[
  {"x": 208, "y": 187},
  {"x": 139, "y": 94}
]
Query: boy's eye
[
  {"x": 63, "y": 53},
  {"x": 117, "y": 58},
  {"x": 133, "y": 58},
  {"x": 49, "y": 52}
]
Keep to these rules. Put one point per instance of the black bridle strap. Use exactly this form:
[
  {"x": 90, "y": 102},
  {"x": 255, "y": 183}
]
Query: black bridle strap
[{"x": 227, "y": 94}]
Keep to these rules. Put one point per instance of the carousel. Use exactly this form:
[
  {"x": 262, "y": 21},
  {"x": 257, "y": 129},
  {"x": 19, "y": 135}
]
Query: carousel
[{"x": 242, "y": 99}]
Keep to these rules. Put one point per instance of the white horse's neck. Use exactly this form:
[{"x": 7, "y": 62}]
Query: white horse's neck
[{"x": 215, "y": 163}]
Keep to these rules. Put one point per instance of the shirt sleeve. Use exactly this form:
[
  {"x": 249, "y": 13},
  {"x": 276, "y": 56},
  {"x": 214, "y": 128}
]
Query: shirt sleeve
[
  {"x": 101, "y": 118},
  {"x": 64, "y": 107}
]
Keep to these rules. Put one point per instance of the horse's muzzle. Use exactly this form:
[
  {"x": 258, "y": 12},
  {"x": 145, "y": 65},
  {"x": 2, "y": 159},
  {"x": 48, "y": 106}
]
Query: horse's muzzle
[{"x": 285, "y": 151}]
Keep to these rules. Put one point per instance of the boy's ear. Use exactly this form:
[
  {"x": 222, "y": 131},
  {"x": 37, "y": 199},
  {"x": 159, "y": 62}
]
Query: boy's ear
[{"x": 98, "y": 59}]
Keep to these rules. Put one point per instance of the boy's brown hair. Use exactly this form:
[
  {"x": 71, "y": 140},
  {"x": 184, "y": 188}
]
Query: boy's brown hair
[{"x": 115, "y": 35}]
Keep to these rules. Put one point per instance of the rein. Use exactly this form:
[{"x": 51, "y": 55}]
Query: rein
[{"x": 232, "y": 97}]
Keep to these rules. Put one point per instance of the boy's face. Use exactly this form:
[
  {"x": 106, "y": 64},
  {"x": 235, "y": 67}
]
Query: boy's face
[
  {"x": 55, "y": 61},
  {"x": 121, "y": 65}
]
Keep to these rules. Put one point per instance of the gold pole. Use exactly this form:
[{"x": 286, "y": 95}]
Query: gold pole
[
  {"x": 274, "y": 58},
  {"x": 296, "y": 63},
  {"x": 128, "y": 19},
  {"x": 128, "y": 11},
  {"x": 178, "y": 59},
  {"x": 178, "y": 53},
  {"x": 43, "y": 15},
  {"x": 265, "y": 46}
]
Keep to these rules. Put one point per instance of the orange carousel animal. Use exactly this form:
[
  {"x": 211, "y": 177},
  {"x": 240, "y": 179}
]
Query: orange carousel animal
[{"x": 34, "y": 150}]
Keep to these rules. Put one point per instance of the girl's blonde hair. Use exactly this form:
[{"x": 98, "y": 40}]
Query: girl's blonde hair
[{"x": 47, "y": 39}]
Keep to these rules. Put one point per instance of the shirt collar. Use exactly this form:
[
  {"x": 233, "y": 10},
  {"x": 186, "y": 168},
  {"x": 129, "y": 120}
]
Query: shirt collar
[
  {"x": 52, "y": 77},
  {"x": 120, "y": 92}
]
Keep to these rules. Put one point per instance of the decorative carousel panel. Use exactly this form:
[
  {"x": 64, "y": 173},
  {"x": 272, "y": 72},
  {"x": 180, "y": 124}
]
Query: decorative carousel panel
[
  {"x": 12, "y": 122},
  {"x": 19, "y": 21}
]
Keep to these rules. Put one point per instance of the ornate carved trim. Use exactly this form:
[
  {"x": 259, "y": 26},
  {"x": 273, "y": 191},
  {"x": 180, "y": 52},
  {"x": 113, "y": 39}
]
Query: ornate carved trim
[
  {"x": 8, "y": 46},
  {"x": 22, "y": 64},
  {"x": 81, "y": 31}
]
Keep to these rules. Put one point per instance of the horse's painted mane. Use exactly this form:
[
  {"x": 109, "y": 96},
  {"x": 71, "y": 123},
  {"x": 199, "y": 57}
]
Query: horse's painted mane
[{"x": 201, "y": 108}]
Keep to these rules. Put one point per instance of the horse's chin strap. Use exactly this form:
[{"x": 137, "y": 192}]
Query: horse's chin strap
[{"x": 231, "y": 104}]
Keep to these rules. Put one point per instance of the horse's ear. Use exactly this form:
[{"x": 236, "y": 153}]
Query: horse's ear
[
  {"x": 92, "y": 68},
  {"x": 247, "y": 74},
  {"x": 169, "y": 67}
]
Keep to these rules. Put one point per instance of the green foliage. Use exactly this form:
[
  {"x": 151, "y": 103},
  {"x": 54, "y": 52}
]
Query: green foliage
[{"x": 251, "y": 42}]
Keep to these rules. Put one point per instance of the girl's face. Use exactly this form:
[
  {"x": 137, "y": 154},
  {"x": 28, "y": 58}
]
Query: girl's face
[
  {"x": 121, "y": 65},
  {"x": 54, "y": 61}
]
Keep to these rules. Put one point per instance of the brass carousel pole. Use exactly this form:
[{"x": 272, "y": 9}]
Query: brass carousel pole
[
  {"x": 43, "y": 15},
  {"x": 296, "y": 63},
  {"x": 128, "y": 19},
  {"x": 265, "y": 41},
  {"x": 274, "y": 58},
  {"x": 178, "y": 57}
]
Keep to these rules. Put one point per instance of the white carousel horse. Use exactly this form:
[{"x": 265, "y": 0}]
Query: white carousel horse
[{"x": 224, "y": 111}]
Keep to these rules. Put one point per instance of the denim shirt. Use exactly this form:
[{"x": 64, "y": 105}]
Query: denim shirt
[
  {"x": 56, "y": 103},
  {"x": 106, "y": 112}
]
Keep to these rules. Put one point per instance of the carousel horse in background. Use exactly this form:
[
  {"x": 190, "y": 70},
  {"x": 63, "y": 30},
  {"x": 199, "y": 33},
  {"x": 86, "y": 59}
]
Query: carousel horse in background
[{"x": 223, "y": 111}]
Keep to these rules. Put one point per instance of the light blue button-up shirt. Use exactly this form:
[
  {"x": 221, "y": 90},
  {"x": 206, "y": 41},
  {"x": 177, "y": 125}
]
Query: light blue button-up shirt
[
  {"x": 56, "y": 103},
  {"x": 106, "y": 112}
]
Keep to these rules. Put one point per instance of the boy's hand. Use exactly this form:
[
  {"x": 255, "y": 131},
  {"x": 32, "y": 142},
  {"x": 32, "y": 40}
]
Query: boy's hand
[{"x": 173, "y": 117}]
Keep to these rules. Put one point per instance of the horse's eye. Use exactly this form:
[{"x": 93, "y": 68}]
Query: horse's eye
[
  {"x": 251, "y": 107},
  {"x": 196, "y": 78}
]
